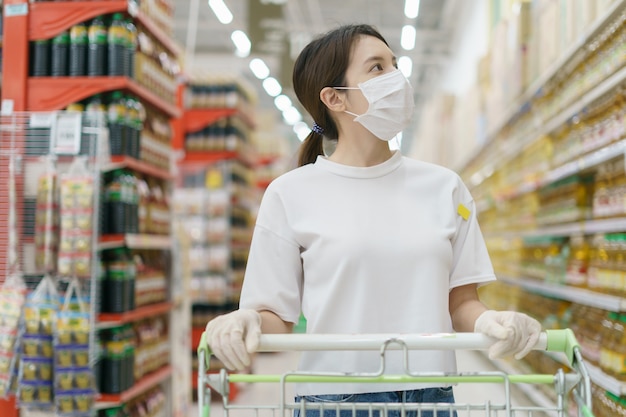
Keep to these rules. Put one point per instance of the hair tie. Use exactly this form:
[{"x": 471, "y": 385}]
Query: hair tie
[{"x": 317, "y": 128}]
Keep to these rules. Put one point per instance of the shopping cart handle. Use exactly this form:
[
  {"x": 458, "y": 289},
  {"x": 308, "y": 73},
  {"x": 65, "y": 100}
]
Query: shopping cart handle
[{"x": 550, "y": 340}]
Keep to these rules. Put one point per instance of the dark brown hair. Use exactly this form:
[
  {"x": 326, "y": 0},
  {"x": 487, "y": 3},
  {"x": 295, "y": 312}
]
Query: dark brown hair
[{"x": 323, "y": 63}]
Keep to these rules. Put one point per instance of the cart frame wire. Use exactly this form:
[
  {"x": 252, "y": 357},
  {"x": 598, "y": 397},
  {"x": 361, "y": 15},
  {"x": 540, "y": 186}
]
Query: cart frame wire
[{"x": 576, "y": 382}]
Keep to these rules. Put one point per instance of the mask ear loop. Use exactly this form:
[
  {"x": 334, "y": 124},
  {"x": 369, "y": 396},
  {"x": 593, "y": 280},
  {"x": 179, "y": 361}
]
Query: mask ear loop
[{"x": 349, "y": 88}]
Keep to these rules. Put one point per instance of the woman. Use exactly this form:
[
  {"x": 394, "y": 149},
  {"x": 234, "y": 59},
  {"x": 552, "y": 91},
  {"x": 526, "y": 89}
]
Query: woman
[{"x": 364, "y": 240}]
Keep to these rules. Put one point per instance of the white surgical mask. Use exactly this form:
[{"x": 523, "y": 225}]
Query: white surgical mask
[{"x": 390, "y": 98}]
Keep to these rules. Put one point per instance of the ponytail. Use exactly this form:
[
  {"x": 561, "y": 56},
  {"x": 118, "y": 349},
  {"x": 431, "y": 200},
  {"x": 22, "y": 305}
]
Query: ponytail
[{"x": 312, "y": 146}]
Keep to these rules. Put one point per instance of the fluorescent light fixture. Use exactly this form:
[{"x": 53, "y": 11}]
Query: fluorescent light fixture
[
  {"x": 272, "y": 86},
  {"x": 412, "y": 8},
  {"x": 405, "y": 64},
  {"x": 292, "y": 116},
  {"x": 407, "y": 41},
  {"x": 221, "y": 11},
  {"x": 302, "y": 130},
  {"x": 242, "y": 43},
  {"x": 282, "y": 102},
  {"x": 259, "y": 68}
]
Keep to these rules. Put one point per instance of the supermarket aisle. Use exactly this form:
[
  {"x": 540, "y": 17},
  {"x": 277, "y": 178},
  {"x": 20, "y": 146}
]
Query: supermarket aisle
[{"x": 273, "y": 363}]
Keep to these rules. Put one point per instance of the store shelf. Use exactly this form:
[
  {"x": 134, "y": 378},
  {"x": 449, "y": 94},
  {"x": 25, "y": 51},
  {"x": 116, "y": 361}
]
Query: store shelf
[
  {"x": 196, "y": 119},
  {"x": 56, "y": 93},
  {"x": 611, "y": 225},
  {"x": 558, "y": 65},
  {"x": 209, "y": 156},
  {"x": 605, "y": 381},
  {"x": 196, "y": 335},
  {"x": 575, "y": 295},
  {"x": 141, "y": 167},
  {"x": 107, "y": 320},
  {"x": 135, "y": 241},
  {"x": 143, "y": 385},
  {"x": 163, "y": 38},
  {"x": 518, "y": 144},
  {"x": 48, "y": 19}
]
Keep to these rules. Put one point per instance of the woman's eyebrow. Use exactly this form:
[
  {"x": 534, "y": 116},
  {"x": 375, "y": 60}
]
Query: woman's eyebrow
[{"x": 377, "y": 58}]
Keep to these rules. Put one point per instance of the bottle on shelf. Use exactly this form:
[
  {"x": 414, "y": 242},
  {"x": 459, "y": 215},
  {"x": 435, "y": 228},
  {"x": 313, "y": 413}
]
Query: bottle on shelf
[
  {"x": 620, "y": 349},
  {"x": 117, "y": 121},
  {"x": 40, "y": 53},
  {"x": 608, "y": 332},
  {"x": 97, "y": 48},
  {"x": 78, "y": 50},
  {"x": 60, "y": 55},
  {"x": 131, "y": 48},
  {"x": 117, "y": 40}
]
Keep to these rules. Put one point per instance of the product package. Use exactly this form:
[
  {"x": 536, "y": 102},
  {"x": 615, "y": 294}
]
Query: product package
[
  {"x": 47, "y": 219},
  {"x": 76, "y": 221},
  {"x": 74, "y": 382},
  {"x": 12, "y": 298},
  {"x": 35, "y": 377}
]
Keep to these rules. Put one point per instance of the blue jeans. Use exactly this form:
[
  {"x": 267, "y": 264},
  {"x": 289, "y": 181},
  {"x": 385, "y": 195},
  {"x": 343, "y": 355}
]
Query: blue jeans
[{"x": 427, "y": 395}]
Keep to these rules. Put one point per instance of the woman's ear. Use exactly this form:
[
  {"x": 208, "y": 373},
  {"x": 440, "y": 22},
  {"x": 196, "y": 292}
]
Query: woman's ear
[{"x": 332, "y": 99}]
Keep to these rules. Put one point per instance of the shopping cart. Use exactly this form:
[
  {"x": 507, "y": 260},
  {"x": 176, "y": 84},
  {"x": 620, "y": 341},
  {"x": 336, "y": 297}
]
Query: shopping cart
[{"x": 575, "y": 382}]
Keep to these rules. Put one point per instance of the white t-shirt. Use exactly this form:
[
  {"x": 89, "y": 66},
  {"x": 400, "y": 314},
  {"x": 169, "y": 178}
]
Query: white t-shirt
[{"x": 365, "y": 250}]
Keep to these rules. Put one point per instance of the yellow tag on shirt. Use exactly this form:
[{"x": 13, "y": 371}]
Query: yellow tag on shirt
[{"x": 463, "y": 211}]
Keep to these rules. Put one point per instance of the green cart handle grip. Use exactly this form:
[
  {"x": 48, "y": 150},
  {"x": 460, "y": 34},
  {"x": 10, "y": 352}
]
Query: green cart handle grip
[{"x": 563, "y": 341}]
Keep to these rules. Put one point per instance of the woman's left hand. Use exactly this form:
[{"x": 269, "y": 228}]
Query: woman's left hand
[{"x": 516, "y": 333}]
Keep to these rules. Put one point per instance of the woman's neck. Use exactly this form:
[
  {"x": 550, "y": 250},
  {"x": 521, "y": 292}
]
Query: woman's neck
[{"x": 361, "y": 155}]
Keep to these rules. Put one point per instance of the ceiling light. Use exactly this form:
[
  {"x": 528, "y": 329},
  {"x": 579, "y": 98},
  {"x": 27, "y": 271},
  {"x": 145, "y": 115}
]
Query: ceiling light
[
  {"x": 292, "y": 116},
  {"x": 405, "y": 64},
  {"x": 412, "y": 8},
  {"x": 259, "y": 69},
  {"x": 408, "y": 37},
  {"x": 272, "y": 86},
  {"x": 242, "y": 43},
  {"x": 302, "y": 130},
  {"x": 282, "y": 102},
  {"x": 221, "y": 11}
]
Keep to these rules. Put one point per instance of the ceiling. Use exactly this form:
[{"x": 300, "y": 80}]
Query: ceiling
[{"x": 279, "y": 30}]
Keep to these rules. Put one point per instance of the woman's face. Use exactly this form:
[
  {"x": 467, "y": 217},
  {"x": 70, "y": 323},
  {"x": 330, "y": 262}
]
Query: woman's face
[{"x": 370, "y": 58}]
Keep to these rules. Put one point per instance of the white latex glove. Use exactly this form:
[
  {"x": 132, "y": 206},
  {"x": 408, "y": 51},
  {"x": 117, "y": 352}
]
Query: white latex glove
[
  {"x": 233, "y": 337},
  {"x": 517, "y": 333}
]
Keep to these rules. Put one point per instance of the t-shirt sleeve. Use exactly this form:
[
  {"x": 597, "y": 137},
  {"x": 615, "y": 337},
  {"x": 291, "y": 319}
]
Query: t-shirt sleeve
[
  {"x": 471, "y": 263},
  {"x": 273, "y": 277}
]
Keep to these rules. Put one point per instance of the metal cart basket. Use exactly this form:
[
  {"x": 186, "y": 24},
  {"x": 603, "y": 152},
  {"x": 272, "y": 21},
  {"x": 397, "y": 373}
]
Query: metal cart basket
[{"x": 575, "y": 382}]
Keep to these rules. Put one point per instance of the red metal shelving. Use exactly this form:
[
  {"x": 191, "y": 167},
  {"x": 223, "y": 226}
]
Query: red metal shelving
[
  {"x": 114, "y": 319},
  {"x": 48, "y": 19},
  {"x": 144, "y": 384},
  {"x": 138, "y": 166},
  {"x": 56, "y": 93}
]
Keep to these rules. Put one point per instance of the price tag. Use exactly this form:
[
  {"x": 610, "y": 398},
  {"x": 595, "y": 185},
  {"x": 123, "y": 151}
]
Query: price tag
[
  {"x": 16, "y": 9},
  {"x": 65, "y": 134},
  {"x": 7, "y": 107},
  {"x": 42, "y": 120}
]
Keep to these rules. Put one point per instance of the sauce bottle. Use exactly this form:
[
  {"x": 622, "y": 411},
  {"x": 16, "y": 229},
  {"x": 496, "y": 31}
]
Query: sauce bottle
[
  {"x": 117, "y": 46},
  {"x": 78, "y": 50},
  {"x": 40, "y": 52},
  {"x": 117, "y": 121},
  {"x": 60, "y": 54},
  {"x": 97, "y": 48}
]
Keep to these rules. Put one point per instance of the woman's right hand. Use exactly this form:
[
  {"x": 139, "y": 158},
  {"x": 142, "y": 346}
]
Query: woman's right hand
[{"x": 233, "y": 337}]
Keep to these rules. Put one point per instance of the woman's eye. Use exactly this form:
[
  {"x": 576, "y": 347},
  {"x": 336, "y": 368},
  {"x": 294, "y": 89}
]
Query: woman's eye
[{"x": 377, "y": 67}]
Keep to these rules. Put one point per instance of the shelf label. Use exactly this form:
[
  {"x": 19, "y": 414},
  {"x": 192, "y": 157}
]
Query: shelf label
[
  {"x": 7, "y": 107},
  {"x": 65, "y": 134},
  {"x": 16, "y": 9},
  {"x": 41, "y": 120}
]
